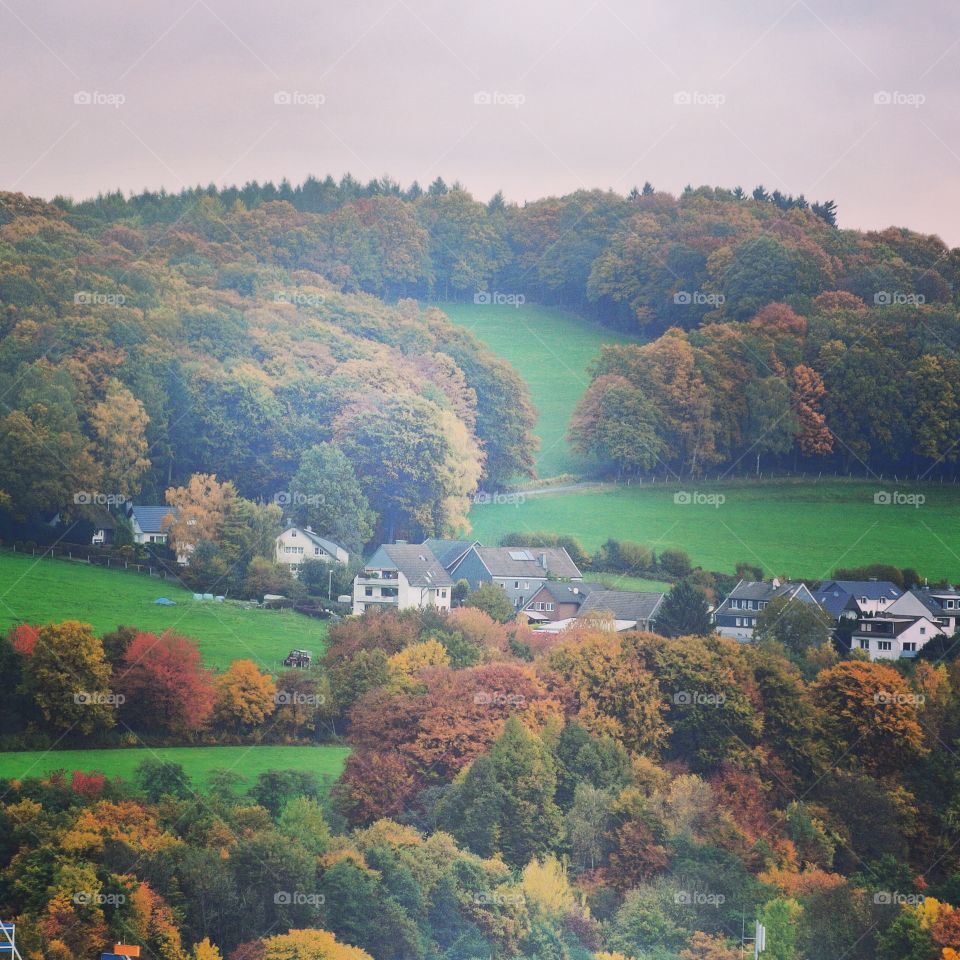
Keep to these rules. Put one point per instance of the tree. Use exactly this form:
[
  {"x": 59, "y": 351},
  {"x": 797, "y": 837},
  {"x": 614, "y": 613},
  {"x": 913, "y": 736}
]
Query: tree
[
  {"x": 872, "y": 714},
  {"x": 492, "y": 600},
  {"x": 815, "y": 438},
  {"x": 248, "y": 530},
  {"x": 325, "y": 494},
  {"x": 197, "y": 511},
  {"x": 798, "y": 626},
  {"x": 771, "y": 419},
  {"x": 165, "y": 686},
  {"x": 245, "y": 697},
  {"x": 68, "y": 678},
  {"x": 684, "y": 612},
  {"x": 310, "y": 945},
  {"x": 163, "y": 778},
  {"x": 119, "y": 423}
]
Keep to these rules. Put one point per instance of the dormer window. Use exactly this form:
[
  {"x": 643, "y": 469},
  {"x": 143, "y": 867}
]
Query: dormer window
[{"x": 293, "y": 533}]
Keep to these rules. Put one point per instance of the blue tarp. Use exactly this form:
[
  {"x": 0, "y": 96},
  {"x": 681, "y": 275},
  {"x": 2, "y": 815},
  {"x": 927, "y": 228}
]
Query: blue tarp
[{"x": 165, "y": 602}]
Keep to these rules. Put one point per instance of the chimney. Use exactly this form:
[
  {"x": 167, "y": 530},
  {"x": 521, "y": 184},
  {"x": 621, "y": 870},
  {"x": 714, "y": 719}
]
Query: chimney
[
  {"x": 308, "y": 528},
  {"x": 543, "y": 560},
  {"x": 775, "y": 582}
]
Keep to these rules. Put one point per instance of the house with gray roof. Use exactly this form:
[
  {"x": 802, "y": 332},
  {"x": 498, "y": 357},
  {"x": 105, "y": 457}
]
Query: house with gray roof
[
  {"x": 558, "y": 600},
  {"x": 519, "y": 571},
  {"x": 939, "y": 604},
  {"x": 402, "y": 575},
  {"x": 297, "y": 544},
  {"x": 737, "y": 615},
  {"x": 148, "y": 522},
  {"x": 636, "y": 610},
  {"x": 853, "y": 598}
]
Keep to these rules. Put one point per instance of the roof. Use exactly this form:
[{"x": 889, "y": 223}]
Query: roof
[
  {"x": 150, "y": 518},
  {"x": 327, "y": 545},
  {"x": 448, "y": 552},
  {"x": 526, "y": 562},
  {"x": 871, "y": 589},
  {"x": 623, "y": 604},
  {"x": 415, "y": 561},
  {"x": 898, "y": 625},
  {"x": 928, "y": 597},
  {"x": 565, "y": 592},
  {"x": 760, "y": 590}
]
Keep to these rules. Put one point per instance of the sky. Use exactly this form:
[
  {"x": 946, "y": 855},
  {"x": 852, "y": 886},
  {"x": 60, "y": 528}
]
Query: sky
[{"x": 850, "y": 100}]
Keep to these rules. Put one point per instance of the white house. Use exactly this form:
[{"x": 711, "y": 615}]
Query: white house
[
  {"x": 297, "y": 544},
  {"x": 940, "y": 604},
  {"x": 402, "y": 575},
  {"x": 888, "y": 637},
  {"x": 147, "y": 522}
]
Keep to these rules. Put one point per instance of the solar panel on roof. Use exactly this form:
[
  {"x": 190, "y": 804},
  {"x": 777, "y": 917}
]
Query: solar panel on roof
[{"x": 520, "y": 555}]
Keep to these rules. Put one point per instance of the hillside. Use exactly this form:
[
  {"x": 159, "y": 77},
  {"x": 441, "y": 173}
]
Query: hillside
[
  {"x": 552, "y": 350},
  {"x": 41, "y": 591}
]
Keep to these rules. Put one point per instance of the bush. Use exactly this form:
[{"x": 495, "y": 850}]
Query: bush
[
  {"x": 675, "y": 562},
  {"x": 625, "y": 557}
]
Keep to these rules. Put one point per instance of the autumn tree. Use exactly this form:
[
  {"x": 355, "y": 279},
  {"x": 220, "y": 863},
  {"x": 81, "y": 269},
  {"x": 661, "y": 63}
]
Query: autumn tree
[
  {"x": 815, "y": 438},
  {"x": 165, "y": 686},
  {"x": 245, "y": 697},
  {"x": 119, "y": 423},
  {"x": 68, "y": 678},
  {"x": 197, "y": 510}
]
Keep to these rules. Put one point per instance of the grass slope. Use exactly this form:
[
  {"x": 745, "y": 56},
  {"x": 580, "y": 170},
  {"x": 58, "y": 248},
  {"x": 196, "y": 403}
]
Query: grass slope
[
  {"x": 551, "y": 350},
  {"x": 802, "y": 529},
  {"x": 34, "y": 590},
  {"x": 199, "y": 762}
]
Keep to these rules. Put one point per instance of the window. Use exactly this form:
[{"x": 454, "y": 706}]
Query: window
[
  {"x": 368, "y": 591},
  {"x": 884, "y": 645},
  {"x": 293, "y": 533},
  {"x": 549, "y": 606},
  {"x": 443, "y": 593},
  {"x": 910, "y": 646},
  {"x": 864, "y": 644},
  {"x": 923, "y": 631},
  {"x": 739, "y": 622},
  {"x": 516, "y": 584},
  {"x": 526, "y": 584},
  {"x": 316, "y": 551},
  {"x": 883, "y": 600},
  {"x": 868, "y": 628}
]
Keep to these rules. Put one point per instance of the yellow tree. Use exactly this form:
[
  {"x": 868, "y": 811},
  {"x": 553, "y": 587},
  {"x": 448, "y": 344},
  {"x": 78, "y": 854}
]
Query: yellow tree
[
  {"x": 310, "y": 945},
  {"x": 119, "y": 423},
  {"x": 404, "y": 666},
  {"x": 245, "y": 696},
  {"x": 197, "y": 510}
]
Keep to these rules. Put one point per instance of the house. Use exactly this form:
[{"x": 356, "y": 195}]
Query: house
[
  {"x": 104, "y": 527},
  {"x": 737, "y": 615},
  {"x": 402, "y": 575},
  {"x": 450, "y": 552},
  {"x": 638, "y": 609},
  {"x": 558, "y": 600},
  {"x": 520, "y": 571},
  {"x": 297, "y": 544},
  {"x": 889, "y": 637},
  {"x": 940, "y": 604},
  {"x": 147, "y": 522},
  {"x": 853, "y": 598}
]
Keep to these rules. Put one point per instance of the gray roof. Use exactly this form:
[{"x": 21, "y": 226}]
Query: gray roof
[
  {"x": 525, "y": 562},
  {"x": 928, "y": 597},
  {"x": 623, "y": 604},
  {"x": 758, "y": 590},
  {"x": 871, "y": 589},
  {"x": 327, "y": 545},
  {"x": 415, "y": 561},
  {"x": 150, "y": 518},
  {"x": 448, "y": 552}
]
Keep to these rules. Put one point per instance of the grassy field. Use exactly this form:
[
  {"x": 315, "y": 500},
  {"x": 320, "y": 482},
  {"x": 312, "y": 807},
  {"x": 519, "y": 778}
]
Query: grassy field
[
  {"x": 41, "y": 590},
  {"x": 802, "y": 529},
  {"x": 551, "y": 350},
  {"x": 199, "y": 762}
]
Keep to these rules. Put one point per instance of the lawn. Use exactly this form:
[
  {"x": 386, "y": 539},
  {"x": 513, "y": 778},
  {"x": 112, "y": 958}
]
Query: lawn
[
  {"x": 551, "y": 350},
  {"x": 797, "y": 528},
  {"x": 34, "y": 590},
  {"x": 199, "y": 762}
]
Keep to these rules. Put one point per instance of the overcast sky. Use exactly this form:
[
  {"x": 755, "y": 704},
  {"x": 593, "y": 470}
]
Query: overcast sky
[{"x": 854, "y": 100}]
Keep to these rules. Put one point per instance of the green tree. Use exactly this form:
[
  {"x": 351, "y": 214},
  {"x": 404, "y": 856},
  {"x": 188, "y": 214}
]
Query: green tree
[
  {"x": 492, "y": 600},
  {"x": 326, "y": 495},
  {"x": 798, "y": 626},
  {"x": 684, "y": 612},
  {"x": 163, "y": 778}
]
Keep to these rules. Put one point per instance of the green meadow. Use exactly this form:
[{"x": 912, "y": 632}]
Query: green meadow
[
  {"x": 198, "y": 762},
  {"x": 34, "y": 590},
  {"x": 552, "y": 351},
  {"x": 794, "y": 528}
]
